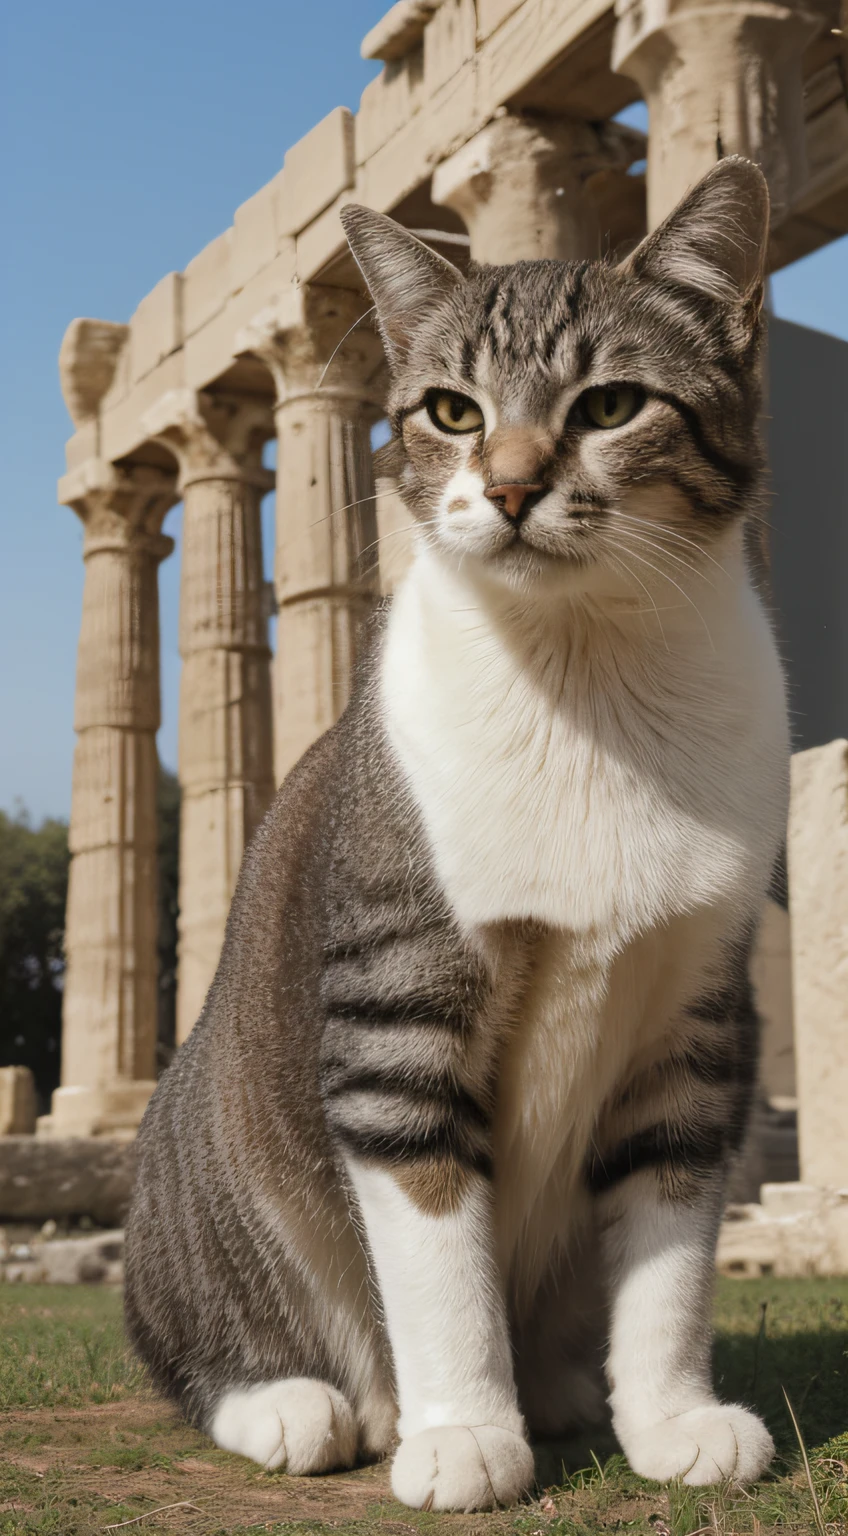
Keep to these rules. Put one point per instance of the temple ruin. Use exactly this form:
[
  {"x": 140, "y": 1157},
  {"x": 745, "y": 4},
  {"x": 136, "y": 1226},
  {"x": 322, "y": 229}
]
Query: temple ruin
[{"x": 491, "y": 131}]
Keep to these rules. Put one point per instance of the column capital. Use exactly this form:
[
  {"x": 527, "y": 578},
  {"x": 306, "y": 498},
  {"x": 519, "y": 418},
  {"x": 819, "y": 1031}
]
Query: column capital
[
  {"x": 524, "y": 185},
  {"x": 720, "y": 77},
  {"x": 121, "y": 506},
  {"x": 319, "y": 342},
  {"x": 213, "y": 437}
]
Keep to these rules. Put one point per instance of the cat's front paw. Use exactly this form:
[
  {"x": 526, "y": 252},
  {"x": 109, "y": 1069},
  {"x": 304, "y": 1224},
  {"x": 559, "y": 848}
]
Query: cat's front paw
[
  {"x": 297, "y": 1425},
  {"x": 462, "y": 1469},
  {"x": 705, "y": 1445}
]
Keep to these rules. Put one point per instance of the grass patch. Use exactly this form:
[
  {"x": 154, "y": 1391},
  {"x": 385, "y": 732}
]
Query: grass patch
[{"x": 84, "y": 1444}]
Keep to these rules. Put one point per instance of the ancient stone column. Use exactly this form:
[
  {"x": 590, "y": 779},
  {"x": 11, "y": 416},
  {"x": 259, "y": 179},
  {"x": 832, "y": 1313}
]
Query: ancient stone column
[
  {"x": 531, "y": 187},
  {"x": 109, "y": 1008},
  {"x": 720, "y": 77},
  {"x": 225, "y": 736},
  {"x": 818, "y": 900},
  {"x": 328, "y": 372}
]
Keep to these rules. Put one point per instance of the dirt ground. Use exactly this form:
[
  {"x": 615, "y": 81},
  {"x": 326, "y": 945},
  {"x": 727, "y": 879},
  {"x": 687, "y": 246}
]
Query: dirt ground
[{"x": 86, "y": 1448}]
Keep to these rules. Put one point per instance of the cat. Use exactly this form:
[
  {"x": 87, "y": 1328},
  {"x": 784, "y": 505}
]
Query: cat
[{"x": 451, "y": 1135}]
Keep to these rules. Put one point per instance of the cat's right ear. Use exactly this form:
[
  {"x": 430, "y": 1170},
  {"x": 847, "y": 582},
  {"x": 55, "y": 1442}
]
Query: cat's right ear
[{"x": 403, "y": 275}]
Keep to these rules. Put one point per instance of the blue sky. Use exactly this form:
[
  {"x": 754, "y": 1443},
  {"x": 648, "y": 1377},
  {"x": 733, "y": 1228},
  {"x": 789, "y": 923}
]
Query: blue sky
[{"x": 129, "y": 135}]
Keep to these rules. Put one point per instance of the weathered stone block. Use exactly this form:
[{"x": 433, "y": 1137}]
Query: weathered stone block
[
  {"x": 156, "y": 328},
  {"x": 449, "y": 42},
  {"x": 318, "y": 168},
  {"x": 818, "y": 894},
  {"x": 490, "y": 14},
  {"x": 207, "y": 282},
  {"x": 65, "y": 1177},
  {"x": 255, "y": 231},
  {"x": 388, "y": 103},
  {"x": 17, "y": 1101}
]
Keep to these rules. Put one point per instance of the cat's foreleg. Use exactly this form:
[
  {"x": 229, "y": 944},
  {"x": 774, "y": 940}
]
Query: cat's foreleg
[
  {"x": 660, "y": 1257},
  {"x": 429, "y": 1229}
]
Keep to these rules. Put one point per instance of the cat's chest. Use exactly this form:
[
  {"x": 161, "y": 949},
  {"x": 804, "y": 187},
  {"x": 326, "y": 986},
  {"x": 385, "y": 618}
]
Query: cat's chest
[{"x": 550, "y": 804}]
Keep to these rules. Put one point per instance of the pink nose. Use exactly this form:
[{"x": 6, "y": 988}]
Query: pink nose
[{"x": 511, "y": 497}]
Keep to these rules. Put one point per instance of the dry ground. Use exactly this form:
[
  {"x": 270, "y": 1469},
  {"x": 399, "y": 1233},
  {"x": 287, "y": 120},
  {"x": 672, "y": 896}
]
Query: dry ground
[{"x": 86, "y": 1447}]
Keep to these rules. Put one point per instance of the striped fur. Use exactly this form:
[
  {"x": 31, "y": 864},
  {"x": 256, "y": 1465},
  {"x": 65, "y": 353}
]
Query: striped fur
[{"x": 456, "y": 1118}]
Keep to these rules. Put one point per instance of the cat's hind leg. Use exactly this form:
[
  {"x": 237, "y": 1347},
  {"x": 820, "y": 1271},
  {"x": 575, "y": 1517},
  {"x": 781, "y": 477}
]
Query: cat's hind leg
[{"x": 297, "y": 1425}]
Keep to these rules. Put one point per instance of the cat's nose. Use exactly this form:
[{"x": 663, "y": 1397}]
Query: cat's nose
[{"x": 514, "y": 499}]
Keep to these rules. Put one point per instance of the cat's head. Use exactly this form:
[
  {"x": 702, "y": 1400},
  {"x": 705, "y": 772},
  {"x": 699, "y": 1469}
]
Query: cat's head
[{"x": 545, "y": 414}]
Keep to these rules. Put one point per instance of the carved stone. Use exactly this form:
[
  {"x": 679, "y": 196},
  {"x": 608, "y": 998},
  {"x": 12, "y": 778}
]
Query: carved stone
[
  {"x": 109, "y": 1004},
  {"x": 719, "y": 79},
  {"x": 328, "y": 370},
  {"x": 225, "y": 742}
]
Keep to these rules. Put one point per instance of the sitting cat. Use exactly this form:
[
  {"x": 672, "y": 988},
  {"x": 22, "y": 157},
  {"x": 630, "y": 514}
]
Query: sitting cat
[{"x": 453, "y": 1127}]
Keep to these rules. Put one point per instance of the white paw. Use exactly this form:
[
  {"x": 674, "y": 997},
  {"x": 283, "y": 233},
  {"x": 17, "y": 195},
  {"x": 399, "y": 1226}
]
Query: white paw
[
  {"x": 705, "y": 1445},
  {"x": 301, "y": 1425},
  {"x": 455, "y": 1468}
]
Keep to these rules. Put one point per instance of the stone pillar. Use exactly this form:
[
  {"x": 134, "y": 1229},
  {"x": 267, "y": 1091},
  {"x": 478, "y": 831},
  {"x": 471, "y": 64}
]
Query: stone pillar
[
  {"x": 720, "y": 77},
  {"x": 329, "y": 379},
  {"x": 225, "y": 737},
  {"x": 109, "y": 1006},
  {"x": 818, "y": 899},
  {"x": 530, "y": 187}
]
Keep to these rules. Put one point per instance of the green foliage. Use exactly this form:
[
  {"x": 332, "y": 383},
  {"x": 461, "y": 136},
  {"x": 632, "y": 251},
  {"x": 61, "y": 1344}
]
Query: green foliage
[
  {"x": 34, "y": 866},
  {"x": 33, "y": 891}
]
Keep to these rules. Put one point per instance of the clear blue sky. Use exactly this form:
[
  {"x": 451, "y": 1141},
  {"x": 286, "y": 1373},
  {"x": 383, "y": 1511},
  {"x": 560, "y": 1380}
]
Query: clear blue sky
[{"x": 129, "y": 136}]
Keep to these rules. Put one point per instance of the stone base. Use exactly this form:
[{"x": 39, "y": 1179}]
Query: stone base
[
  {"x": 114, "y": 1112},
  {"x": 94, "y": 1260},
  {"x": 44, "y": 1178},
  {"x": 17, "y": 1101},
  {"x": 795, "y": 1230}
]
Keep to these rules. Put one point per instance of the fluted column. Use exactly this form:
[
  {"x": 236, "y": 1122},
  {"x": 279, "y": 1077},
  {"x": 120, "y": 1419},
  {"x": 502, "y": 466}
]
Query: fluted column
[
  {"x": 109, "y": 1007},
  {"x": 528, "y": 188},
  {"x": 720, "y": 77},
  {"x": 225, "y": 734},
  {"x": 328, "y": 379}
]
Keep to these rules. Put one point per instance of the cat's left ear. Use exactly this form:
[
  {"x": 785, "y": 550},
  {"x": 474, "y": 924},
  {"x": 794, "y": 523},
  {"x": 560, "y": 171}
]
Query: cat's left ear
[
  {"x": 403, "y": 275},
  {"x": 716, "y": 239}
]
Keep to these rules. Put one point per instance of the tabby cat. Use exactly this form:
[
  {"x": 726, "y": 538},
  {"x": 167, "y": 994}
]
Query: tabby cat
[{"x": 451, "y": 1136}]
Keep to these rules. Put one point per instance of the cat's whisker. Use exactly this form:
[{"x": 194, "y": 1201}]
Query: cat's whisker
[
  {"x": 342, "y": 342},
  {"x": 337, "y": 511},
  {"x": 650, "y": 598},
  {"x": 668, "y": 554},
  {"x": 665, "y": 576},
  {"x": 672, "y": 533}
]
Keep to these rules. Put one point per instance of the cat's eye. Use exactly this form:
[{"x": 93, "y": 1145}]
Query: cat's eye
[
  {"x": 453, "y": 413},
  {"x": 612, "y": 405}
]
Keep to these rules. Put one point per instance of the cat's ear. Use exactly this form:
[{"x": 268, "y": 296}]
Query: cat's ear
[
  {"x": 403, "y": 275},
  {"x": 716, "y": 239}
]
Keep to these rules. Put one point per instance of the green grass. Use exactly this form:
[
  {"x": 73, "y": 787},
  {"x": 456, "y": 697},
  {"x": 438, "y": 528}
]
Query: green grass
[
  {"x": 62, "y": 1346},
  {"x": 85, "y": 1445}
]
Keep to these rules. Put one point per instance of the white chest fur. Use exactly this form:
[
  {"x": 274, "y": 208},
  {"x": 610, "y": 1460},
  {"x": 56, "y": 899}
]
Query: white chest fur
[{"x": 573, "y": 765}]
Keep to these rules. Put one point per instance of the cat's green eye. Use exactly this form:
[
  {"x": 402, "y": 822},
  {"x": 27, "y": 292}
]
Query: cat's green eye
[
  {"x": 453, "y": 413},
  {"x": 612, "y": 405}
]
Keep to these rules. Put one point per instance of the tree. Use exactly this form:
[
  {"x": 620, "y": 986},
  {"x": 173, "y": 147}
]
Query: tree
[
  {"x": 33, "y": 891},
  {"x": 33, "y": 894}
]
